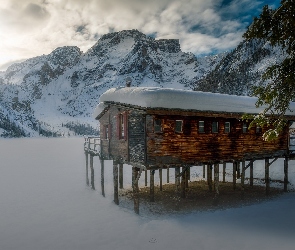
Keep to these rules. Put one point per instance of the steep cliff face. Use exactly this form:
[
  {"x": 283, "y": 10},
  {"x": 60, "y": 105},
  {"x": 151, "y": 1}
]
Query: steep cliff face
[{"x": 241, "y": 69}]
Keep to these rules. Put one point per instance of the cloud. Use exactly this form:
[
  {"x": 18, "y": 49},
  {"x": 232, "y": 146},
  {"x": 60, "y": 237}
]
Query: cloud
[{"x": 34, "y": 27}]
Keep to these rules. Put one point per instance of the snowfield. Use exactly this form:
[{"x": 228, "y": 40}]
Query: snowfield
[{"x": 45, "y": 204}]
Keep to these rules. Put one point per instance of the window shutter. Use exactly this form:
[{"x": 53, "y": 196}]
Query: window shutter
[
  {"x": 118, "y": 126},
  {"x": 110, "y": 130},
  {"x": 125, "y": 119}
]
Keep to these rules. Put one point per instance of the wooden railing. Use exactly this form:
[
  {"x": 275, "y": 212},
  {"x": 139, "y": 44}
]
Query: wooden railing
[{"x": 92, "y": 144}]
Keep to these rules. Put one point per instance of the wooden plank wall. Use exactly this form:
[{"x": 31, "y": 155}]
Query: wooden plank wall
[{"x": 191, "y": 147}]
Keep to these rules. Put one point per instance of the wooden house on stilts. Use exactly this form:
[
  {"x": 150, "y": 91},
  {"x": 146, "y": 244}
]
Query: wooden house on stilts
[{"x": 154, "y": 128}]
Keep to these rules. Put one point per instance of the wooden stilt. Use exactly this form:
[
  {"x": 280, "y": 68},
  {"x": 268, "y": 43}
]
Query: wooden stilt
[
  {"x": 135, "y": 190},
  {"x": 209, "y": 176},
  {"x": 238, "y": 170},
  {"x": 87, "y": 178},
  {"x": 121, "y": 175},
  {"x": 204, "y": 171},
  {"x": 243, "y": 180},
  {"x": 251, "y": 173},
  {"x": 286, "y": 174},
  {"x": 161, "y": 179},
  {"x": 102, "y": 176},
  {"x": 187, "y": 176},
  {"x": 116, "y": 190},
  {"x": 216, "y": 184},
  {"x": 92, "y": 172},
  {"x": 152, "y": 185},
  {"x": 267, "y": 181},
  {"x": 234, "y": 175},
  {"x": 223, "y": 172},
  {"x": 177, "y": 178},
  {"x": 167, "y": 174},
  {"x": 145, "y": 177},
  {"x": 182, "y": 195}
]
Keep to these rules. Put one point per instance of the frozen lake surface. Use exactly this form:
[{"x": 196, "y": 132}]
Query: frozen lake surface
[{"x": 45, "y": 204}]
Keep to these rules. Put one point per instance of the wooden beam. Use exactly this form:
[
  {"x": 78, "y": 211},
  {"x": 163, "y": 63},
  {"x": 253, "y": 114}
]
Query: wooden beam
[
  {"x": 115, "y": 178},
  {"x": 243, "y": 180},
  {"x": 182, "y": 195},
  {"x": 234, "y": 175},
  {"x": 102, "y": 176},
  {"x": 216, "y": 179},
  {"x": 121, "y": 175},
  {"x": 167, "y": 174},
  {"x": 251, "y": 173},
  {"x": 145, "y": 177},
  {"x": 209, "y": 176},
  {"x": 238, "y": 170},
  {"x": 92, "y": 172},
  {"x": 204, "y": 171},
  {"x": 177, "y": 178},
  {"x": 267, "y": 181},
  {"x": 161, "y": 179},
  {"x": 152, "y": 185},
  {"x": 286, "y": 174},
  {"x": 87, "y": 178},
  {"x": 187, "y": 176},
  {"x": 135, "y": 190},
  {"x": 224, "y": 171}
]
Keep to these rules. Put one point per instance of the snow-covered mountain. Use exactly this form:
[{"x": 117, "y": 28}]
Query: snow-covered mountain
[{"x": 56, "y": 94}]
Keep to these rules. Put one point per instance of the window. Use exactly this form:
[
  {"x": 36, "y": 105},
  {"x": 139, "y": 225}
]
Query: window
[
  {"x": 201, "y": 127},
  {"x": 227, "y": 127},
  {"x": 157, "y": 125},
  {"x": 122, "y": 126},
  {"x": 106, "y": 132},
  {"x": 258, "y": 130},
  {"x": 245, "y": 127},
  {"x": 178, "y": 126},
  {"x": 214, "y": 127}
]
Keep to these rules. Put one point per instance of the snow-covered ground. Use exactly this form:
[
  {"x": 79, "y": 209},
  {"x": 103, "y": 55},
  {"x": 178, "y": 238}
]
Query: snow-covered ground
[{"x": 45, "y": 204}]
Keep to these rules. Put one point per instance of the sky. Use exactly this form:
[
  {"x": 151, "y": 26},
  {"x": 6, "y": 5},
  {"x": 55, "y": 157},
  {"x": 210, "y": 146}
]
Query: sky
[{"x": 31, "y": 28}]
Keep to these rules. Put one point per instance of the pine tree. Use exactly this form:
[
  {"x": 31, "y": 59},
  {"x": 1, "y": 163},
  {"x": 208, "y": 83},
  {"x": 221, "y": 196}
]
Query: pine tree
[{"x": 277, "y": 27}]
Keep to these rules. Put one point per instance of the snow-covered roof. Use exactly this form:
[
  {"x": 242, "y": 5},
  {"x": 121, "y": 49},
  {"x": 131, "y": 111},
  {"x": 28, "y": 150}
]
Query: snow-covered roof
[{"x": 154, "y": 97}]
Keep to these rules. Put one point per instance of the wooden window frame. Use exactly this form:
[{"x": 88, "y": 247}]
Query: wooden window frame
[
  {"x": 203, "y": 126},
  {"x": 217, "y": 129},
  {"x": 245, "y": 128},
  {"x": 227, "y": 127},
  {"x": 158, "y": 128},
  {"x": 122, "y": 128},
  {"x": 181, "y": 126},
  {"x": 258, "y": 130}
]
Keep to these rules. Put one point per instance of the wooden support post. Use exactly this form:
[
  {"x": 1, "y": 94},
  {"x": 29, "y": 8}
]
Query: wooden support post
[
  {"x": 135, "y": 190},
  {"x": 115, "y": 178},
  {"x": 92, "y": 172},
  {"x": 121, "y": 175},
  {"x": 234, "y": 175},
  {"x": 87, "y": 178},
  {"x": 167, "y": 174},
  {"x": 177, "y": 178},
  {"x": 251, "y": 173},
  {"x": 204, "y": 171},
  {"x": 209, "y": 176},
  {"x": 223, "y": 172},
  {"x": 243, "y": 180},
  {"x": 145, "y": 177},
  {"x": 216, "y": 179},
  {"x": 161, "y": 179},
  {"x": 216, "y": 184},
  {"x": 102, "y": 176},
  {"x": 182, "y": 195},
  {"x": 267, "y": 181},
  {"x": 152, "y": 185},
  {"x": 238, "y": 170},
  {"x": 286, "y": 174},
  {"x": 187, "y": 176}
]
